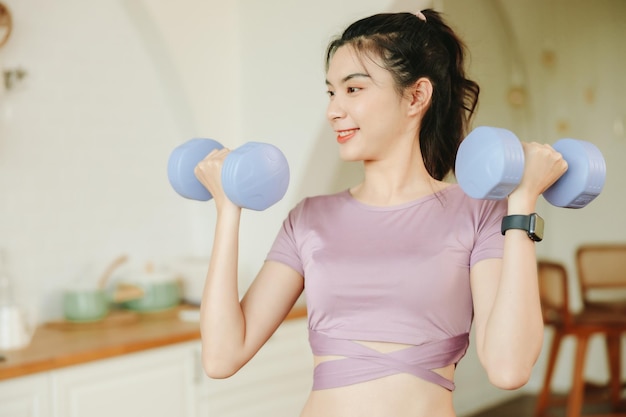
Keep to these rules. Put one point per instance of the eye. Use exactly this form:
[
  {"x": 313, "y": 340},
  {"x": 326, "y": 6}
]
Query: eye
[
  {"x": 330, "y": 93},
  {"x": 351, "y": 90}
]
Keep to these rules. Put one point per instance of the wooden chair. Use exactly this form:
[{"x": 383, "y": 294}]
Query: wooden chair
[
  {"x": 554, "y": 287},
  {"x": 602, "y": 276}
]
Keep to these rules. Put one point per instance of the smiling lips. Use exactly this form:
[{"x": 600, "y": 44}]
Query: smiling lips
[{"x": 345, "y": 135}]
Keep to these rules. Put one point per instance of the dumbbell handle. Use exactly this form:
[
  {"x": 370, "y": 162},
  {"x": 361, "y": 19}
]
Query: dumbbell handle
[
  {"x": 254, "y": 176},
  {"x": 490, "y": 164}
]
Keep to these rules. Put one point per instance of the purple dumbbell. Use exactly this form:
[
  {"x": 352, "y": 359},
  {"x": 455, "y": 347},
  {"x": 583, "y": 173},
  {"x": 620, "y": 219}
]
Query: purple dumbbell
[
  {"x": 254, "y": 176},
  {"x": 490, "y": 164}
]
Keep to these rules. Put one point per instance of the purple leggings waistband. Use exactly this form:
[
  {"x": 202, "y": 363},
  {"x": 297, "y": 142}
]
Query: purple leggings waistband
[{"x": 362, "y": 363}]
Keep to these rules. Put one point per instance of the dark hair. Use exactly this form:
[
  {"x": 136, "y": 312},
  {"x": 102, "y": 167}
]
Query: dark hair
[{"x": 412, "y": 48}]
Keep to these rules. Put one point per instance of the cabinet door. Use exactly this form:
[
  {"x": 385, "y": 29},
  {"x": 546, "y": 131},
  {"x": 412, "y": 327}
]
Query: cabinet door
[
  {"x": 27, "y": 396},
  {"x": 276, "y": 382},
  {"x": 154, "y": 383}
]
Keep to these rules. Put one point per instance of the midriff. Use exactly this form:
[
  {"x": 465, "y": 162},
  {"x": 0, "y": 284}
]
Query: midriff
[{"x": 399, "y": 395}]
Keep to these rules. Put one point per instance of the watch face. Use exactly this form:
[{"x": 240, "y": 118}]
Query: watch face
[{"x": 535, "y": 230}]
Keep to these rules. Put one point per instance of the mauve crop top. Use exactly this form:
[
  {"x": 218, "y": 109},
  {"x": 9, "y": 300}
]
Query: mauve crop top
[{"x": 396, "y": 274}]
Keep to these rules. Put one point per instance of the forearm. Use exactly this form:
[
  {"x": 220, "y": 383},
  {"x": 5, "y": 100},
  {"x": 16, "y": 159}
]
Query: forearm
[
  {"x": 514, "y": 330},
  {"x": 222, "y": 322}
]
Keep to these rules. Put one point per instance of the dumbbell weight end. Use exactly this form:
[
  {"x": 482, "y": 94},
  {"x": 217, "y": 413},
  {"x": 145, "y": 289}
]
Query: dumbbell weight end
[
  {"x": 255, "y": 175},
  {"x": 182, "y": 163},
  {"x": 585, "y": 176},
  {"x": 489, "y": 163}
]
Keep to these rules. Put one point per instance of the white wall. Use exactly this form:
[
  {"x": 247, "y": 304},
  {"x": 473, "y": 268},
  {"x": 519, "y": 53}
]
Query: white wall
[
  {"x": 83, "y": 139},
  {"x": 580, "y": 93},
  {"x": 114, "y": 85}
]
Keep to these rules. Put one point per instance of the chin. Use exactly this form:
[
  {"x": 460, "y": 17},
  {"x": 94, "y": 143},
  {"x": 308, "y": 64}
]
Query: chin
[
  {"x": 348, "y": 155},
  {"x": 349, "y": 158}
]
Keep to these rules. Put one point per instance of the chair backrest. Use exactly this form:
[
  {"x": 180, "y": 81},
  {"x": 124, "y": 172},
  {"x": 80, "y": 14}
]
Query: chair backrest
[
  {"x": 602, "y": 272},
  {"x": 553, "y": 291}
]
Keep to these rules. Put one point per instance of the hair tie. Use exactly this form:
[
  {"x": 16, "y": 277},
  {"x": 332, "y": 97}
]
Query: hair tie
[{"x": 420, "y": 16}]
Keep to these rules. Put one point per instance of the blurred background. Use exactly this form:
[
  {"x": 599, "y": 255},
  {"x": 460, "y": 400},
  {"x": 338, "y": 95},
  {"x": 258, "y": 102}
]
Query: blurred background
[{"x": 95, "y": 95}]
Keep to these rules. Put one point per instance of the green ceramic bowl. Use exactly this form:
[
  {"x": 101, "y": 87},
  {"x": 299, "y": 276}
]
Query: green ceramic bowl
[
  {"x": 85, "y": 305},
  {"x": 157, "y": 296}
]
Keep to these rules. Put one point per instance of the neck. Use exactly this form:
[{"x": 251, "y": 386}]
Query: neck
[{"x": 389, "y": 183}]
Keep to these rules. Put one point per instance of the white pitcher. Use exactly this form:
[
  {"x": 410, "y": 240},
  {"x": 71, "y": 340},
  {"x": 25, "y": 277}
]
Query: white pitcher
[{"x": 16, "y": 330}]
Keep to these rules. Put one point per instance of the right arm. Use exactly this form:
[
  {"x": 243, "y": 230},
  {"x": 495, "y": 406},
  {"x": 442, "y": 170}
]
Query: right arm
[{"x": 233, "y": 331}]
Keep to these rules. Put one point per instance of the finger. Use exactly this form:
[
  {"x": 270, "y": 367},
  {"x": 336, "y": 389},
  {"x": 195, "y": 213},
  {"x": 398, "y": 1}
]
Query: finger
[{"x": 218, "y": 153}]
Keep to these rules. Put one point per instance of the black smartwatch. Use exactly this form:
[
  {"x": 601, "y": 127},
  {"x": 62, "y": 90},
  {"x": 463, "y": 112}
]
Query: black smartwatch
[{"x": 532, "y": 223}]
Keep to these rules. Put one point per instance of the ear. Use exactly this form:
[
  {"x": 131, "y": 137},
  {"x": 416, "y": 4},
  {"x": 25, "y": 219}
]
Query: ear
[{"x": 420, "y": 95}]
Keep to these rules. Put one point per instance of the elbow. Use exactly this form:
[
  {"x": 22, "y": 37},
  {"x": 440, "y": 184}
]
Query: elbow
[
  {"x": 511, "y": 368},
  {"x": 509, "y": 377},
  {"x": 219, "y": 367},
  {"x": 510, "y": 372},
  {"x": 217, "y": 371}
]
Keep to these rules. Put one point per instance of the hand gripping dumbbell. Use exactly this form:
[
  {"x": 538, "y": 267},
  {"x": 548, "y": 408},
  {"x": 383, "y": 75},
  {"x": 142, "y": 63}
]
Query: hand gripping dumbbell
[
  {"x": 254, "y": 176},
  {"x": 490, "y": 164}
]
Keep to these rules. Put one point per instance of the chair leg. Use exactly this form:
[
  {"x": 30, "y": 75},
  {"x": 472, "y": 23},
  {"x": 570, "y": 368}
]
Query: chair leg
[
  {"x": 614, "y": 362},
  {"x": 543, "y": 398},
  {"x": 577, "y": 393}
]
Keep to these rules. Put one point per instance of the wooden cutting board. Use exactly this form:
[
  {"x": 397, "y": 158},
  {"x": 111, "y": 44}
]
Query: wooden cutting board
[{"x": 113, "y": 319}]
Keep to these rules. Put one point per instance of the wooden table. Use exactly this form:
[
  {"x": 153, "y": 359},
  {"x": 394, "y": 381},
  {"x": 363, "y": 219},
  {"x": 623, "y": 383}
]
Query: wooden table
[{"x": 60, "y": 344}]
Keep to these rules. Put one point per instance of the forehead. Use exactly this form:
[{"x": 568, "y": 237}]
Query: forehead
[{"x": 347, "y": 61}]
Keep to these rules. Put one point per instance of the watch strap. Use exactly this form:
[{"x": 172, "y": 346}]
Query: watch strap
[
  {"x": 515, "y": 221},
  {"x": 532, "y": 224}
]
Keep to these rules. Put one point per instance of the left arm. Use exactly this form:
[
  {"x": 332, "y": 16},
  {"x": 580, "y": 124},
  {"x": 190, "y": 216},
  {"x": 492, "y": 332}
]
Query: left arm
[
  {"x": 507, "y": 309},
  {"x": 508, "y": 321}
]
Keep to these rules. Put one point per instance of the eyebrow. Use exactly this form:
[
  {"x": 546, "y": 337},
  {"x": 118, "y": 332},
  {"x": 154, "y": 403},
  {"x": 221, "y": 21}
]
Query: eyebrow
[{"x": 351, "y": 76}]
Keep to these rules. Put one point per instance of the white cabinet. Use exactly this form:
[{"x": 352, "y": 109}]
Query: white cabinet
[
  {"x": 169, "y": 381},
  {"x": 276, "y": 382},
  {"x": 27, "y": 396},
  {"x": 155, "y": 383}
]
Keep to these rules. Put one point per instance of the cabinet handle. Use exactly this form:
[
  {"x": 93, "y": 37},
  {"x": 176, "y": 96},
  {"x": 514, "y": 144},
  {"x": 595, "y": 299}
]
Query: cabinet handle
[{"x": 198, "y": 372}]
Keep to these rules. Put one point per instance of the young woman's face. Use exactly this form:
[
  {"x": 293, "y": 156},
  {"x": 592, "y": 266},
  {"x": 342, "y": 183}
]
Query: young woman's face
[{"x": 365, "y": 110}]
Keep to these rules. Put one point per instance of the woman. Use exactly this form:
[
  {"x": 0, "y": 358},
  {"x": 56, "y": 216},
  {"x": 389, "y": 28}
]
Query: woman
[{"x": 398, "y": 267}]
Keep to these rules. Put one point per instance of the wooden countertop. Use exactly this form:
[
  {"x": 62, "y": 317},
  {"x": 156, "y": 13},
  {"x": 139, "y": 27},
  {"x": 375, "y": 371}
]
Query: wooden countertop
[{"x": 57, "y": 345}]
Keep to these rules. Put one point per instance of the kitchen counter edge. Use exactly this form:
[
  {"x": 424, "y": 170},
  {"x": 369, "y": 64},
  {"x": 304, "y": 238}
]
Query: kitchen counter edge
[{"x": 54, "y": 348}]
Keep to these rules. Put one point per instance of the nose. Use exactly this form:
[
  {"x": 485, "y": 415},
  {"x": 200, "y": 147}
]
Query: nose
[{"x": 334, "y": 110}]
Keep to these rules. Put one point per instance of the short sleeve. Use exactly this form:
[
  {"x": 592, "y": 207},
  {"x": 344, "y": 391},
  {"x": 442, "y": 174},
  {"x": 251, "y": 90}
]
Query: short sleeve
[
  {"x": 489, "y": 241},
  {"x": 285, "y": 246}
]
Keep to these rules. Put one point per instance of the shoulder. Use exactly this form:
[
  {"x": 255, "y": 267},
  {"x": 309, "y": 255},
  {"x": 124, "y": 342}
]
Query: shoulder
[
  {"x": 311, "y": 210},
  {"x": 321, "y": 202},
  {"x": 458, "y": 202}
]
